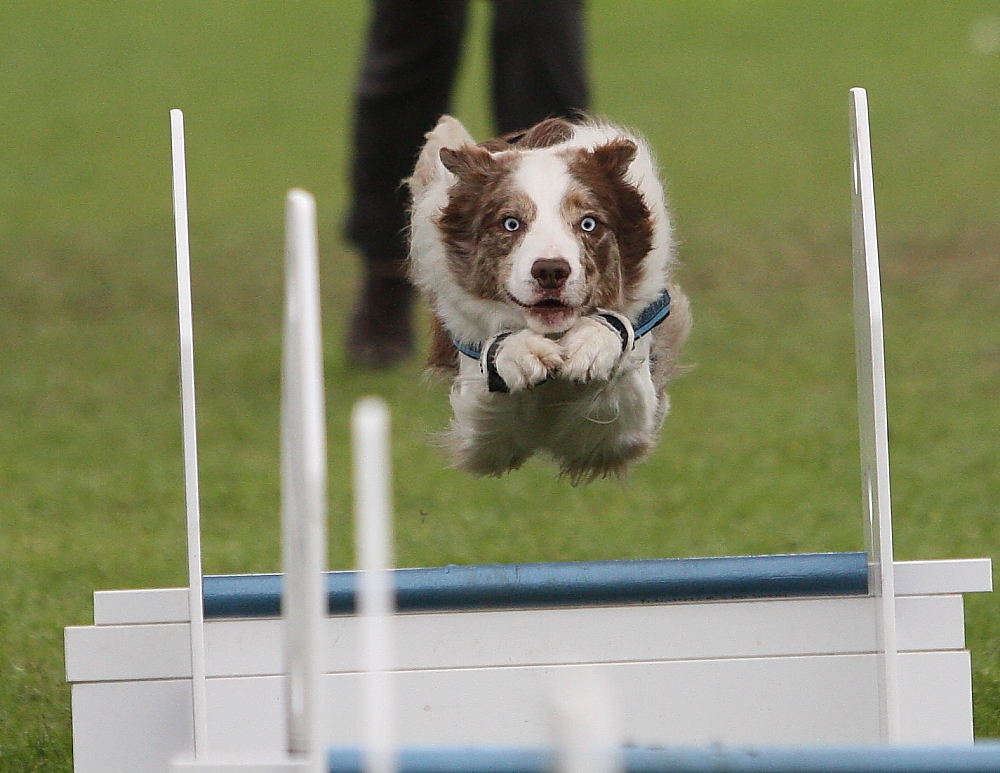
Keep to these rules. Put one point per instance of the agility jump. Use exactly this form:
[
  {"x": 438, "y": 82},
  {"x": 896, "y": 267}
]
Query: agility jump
[{"x": 775, "y": 651}]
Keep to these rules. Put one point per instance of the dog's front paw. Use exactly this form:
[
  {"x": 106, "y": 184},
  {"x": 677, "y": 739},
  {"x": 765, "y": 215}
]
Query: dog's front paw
[
  {"x": 591, "y": 350},
  {"x": 521, "y": 360}
]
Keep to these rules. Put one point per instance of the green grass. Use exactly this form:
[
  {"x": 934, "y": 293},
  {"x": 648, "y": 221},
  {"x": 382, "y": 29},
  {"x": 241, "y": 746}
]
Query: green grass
[{"x": 746, "y": 105}]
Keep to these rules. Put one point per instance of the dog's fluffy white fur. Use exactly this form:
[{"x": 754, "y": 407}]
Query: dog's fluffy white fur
[{"x": 558, "y": 236}]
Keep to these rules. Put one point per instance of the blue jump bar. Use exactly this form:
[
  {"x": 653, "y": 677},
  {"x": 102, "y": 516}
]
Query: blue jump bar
[
  {"x": 978, "y": 758},
  {"x": 577, "y": 583}
]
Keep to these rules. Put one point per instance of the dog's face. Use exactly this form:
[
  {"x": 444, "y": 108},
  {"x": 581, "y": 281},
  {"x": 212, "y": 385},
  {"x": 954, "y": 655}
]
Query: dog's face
[{"x": 554, "y": 231}]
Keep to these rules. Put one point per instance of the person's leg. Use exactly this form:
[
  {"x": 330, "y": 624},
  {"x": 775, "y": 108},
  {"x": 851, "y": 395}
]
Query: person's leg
[
  {"x": 406, "y": 81},
  {"x": 539, "y": 67}
]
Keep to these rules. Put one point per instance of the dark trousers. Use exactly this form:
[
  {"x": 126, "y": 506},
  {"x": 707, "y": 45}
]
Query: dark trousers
[{"x": 406, "y": 84}]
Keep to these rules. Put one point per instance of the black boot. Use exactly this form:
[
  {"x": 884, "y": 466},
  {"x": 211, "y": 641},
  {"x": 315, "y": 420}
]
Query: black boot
[{"x": 380, "y": 333}]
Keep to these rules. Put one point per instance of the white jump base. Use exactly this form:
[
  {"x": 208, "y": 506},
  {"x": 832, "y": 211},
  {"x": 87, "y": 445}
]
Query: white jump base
[{"x": 774, "y": 671}]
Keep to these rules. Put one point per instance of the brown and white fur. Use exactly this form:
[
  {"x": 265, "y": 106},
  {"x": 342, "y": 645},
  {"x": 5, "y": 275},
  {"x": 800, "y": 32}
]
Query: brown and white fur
[{"x": 533, "y": 233}]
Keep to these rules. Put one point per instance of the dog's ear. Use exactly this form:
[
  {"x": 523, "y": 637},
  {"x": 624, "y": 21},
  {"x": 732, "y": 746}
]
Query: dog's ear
[
  {"x": 468, "y": 162},
  {"x": 613, "y": 158}
]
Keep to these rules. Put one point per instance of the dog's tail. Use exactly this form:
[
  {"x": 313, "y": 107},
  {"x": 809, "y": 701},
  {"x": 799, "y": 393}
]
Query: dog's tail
[{"x": 449, "y": 133}]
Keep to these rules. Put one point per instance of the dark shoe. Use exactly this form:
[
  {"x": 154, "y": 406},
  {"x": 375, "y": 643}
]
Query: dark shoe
[{"x": 380, "y": 333}]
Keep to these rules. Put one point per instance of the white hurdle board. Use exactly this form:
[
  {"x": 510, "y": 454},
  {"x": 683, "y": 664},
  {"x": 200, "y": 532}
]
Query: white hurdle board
[
  {"x": 774, "y": 671},
  {"x": 734, "y": 650}
]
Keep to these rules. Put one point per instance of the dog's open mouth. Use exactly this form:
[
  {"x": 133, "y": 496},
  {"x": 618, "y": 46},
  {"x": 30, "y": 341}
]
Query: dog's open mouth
[
  {"x": 549, "y": 315},
  {"x": 553, "y": 314}
]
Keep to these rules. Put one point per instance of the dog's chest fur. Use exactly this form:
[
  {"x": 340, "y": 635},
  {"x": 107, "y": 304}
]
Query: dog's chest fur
[{"x": 556, "y": 240}]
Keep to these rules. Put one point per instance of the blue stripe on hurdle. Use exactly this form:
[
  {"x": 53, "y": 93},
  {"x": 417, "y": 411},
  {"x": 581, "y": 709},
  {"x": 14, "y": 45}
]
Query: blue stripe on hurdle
[
  {"x": 566, "y": 584},
  {"x": 978, "y": 758},
  {"x": 473, "y": 759}
]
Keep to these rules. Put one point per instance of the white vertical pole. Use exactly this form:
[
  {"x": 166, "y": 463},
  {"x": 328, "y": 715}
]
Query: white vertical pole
[
  {"x": 189, "y": 420},
  {"x": 303, "y": 483},
  {"x": 375, "y": 594},
  {"x": 588, "y": 732},
  {"x": 872, "y": 416}
]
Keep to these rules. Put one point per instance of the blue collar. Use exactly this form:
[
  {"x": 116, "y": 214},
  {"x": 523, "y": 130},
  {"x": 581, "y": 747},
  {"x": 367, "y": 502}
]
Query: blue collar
[
  {"x": 653, "y": 314},
  {"x": 649, "y": 317}
]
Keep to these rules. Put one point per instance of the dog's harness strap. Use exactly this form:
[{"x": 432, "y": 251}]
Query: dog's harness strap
[
  {"x": 619, "y": 324},
  {"x": 494, "y": 381},
  {"x": 653, "y": 314},
  {"x": 469, "y": 350},
  {"x": 649, "y": 318}
]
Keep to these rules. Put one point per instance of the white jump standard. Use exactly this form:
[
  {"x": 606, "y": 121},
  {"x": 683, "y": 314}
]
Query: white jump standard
[{"x": 805, "y": 650}]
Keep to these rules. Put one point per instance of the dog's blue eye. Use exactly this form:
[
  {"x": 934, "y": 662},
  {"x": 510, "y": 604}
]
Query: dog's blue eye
[
  {"x": 511, "y": 224},
  {"x": 588, "y": 224}
]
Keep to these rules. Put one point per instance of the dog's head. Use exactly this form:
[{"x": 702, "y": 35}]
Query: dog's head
[{"x": 550, "y": 228}]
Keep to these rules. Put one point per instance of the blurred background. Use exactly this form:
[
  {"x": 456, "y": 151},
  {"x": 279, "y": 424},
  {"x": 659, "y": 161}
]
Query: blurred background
[{"x": 745, "y": 105}]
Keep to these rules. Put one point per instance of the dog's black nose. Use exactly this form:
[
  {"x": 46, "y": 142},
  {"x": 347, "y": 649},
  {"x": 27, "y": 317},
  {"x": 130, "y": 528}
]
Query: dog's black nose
[{"x": 550, "y": 273}]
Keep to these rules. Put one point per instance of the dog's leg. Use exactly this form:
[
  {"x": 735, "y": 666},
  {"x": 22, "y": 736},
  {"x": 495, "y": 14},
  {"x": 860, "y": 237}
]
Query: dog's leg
[
  {"x": 591, "y": 351},
  {"x": 525, "y": 359}
]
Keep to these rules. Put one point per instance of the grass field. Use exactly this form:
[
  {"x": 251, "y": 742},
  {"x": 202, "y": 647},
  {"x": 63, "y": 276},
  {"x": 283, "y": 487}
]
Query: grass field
[{"x": 746, "y": 105}]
